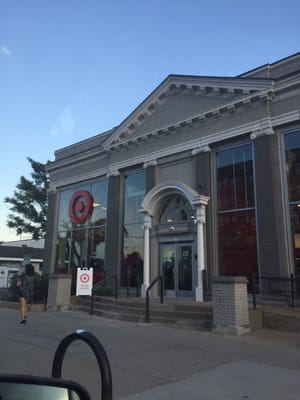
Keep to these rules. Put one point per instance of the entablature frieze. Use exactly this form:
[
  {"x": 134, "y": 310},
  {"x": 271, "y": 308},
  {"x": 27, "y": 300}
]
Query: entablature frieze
[{"x": 254, "y": 129}]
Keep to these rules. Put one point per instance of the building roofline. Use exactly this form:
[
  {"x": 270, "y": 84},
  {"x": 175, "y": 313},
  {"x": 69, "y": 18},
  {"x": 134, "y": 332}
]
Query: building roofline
[{"x": 264, "y": 66}]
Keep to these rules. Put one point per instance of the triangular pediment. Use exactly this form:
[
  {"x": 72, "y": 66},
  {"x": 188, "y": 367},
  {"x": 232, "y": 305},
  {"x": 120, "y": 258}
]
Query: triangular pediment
[{"x": 180, "y": 100}]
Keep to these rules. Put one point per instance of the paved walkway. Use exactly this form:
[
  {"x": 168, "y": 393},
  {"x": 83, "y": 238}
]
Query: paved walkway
[{"x": 156, "y": 362}]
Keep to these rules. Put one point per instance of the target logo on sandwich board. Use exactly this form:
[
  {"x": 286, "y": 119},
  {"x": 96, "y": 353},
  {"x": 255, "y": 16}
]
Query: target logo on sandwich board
[
  {"x": 84, "y": 278},
  {"x": 84, "y": 284}
]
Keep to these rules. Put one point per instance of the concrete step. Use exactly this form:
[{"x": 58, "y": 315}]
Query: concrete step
[{"x": 187, "y": 314}]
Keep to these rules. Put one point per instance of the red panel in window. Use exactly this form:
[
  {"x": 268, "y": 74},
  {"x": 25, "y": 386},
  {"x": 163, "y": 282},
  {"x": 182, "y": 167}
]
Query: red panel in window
[{"x": 237, "y": 240}]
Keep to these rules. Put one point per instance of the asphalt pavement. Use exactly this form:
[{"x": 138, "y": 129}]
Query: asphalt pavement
[{"x": 155, "y": 362}]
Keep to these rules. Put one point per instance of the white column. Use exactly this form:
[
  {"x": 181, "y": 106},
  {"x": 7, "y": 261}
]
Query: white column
[
  {"x": 200, "y": 220},
  {"x": 147, "y": 227}
]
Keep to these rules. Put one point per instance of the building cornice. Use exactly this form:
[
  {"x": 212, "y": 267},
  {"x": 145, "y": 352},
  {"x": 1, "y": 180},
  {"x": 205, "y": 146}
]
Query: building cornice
[
  {"x": 265, "y": 126},
  {"x": 84, "y": 157},
  {"x": 286, "y": 118},
  {"x": 77, "y": 179}
]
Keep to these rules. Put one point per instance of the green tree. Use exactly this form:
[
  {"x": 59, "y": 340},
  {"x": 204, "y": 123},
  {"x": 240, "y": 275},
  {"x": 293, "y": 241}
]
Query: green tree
[{"x": 29, "y": 203}]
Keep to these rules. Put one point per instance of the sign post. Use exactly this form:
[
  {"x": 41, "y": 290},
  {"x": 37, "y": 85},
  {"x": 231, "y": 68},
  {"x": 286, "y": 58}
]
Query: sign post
[{"x": 84, "y": 282}]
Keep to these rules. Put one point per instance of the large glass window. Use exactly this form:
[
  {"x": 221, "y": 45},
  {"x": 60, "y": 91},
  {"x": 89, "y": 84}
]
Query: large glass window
[
  {"x": 82, "y": 244},
  {"x": 133, "y": 231},
  {"x": 292, "y": 166},
  {"x": 236, "y": 211}
]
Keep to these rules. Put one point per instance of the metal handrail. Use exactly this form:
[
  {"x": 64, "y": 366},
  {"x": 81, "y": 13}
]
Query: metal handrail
[
  {"x": 95, "y": 287},
  {"x": 291, "y": 279},
  {"x": 158, "y": 278}
]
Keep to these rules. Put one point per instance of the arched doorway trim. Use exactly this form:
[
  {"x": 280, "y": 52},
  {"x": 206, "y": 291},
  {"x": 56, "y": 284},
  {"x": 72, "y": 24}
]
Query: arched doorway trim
[
  {"x": 149, "y": 207},
  {"x": 163, "y": 189}
]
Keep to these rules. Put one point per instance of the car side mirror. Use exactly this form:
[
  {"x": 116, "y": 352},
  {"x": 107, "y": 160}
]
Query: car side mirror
[{"x": 27, "y": 387}]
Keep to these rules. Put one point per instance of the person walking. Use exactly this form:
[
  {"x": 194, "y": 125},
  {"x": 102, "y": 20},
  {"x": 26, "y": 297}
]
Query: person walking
[{"x": 25, "y": 283}]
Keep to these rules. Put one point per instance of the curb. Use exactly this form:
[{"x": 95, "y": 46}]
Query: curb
[{"x": 15, "y": 306}]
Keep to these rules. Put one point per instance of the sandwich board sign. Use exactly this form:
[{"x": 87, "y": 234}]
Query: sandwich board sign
[{"x": 84, "y": 282}]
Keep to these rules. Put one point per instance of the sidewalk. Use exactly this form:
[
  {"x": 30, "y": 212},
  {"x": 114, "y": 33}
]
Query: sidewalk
[{"x": 156, "y": 362}]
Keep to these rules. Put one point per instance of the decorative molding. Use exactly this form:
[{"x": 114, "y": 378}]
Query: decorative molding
[
  {"x": 111, "y": 171},
  {"x": 261, "y": 132},
  {"x": 265, "y": 126},
  {"x": 78, "y": 179},
  {"x": 194, "y": 144},
  {"x": 201, "y": 149},
  {"x": 214, "y": 138},
  {"x": 84, "y": 157},
  {"x": 150, "y": 200},
  {"x": 266, "y": 129},
  {"x": 52, "y": 188},
  {"x": 286, "y": 118},
  {"x": 231, "y": 108},
  {"x": 147, "y": 221},
  {"x": 200, "y": 214},
  {"x": 216, "y": 86},
  {"x": 247, "y": 102},
  {"x": 150, "y": 163},
  {"x": 216, "y": 112}
]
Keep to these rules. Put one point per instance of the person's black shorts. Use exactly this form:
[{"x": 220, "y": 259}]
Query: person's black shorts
[{"x": 21, "y": 293}]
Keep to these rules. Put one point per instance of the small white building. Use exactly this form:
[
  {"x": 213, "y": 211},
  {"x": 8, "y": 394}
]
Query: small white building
[{"x": 15, "y": 254}]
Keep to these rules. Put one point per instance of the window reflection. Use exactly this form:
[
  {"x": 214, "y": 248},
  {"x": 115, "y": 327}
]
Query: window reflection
[
  {"x": 63, "y": 245},
  {"x": 99, "y": 193},
  {"x": 236, "y": 212},
  {"x": 96, "y": 252},
  {"x": 132, "y": 229},
  {"x": 82, "y": 245},
  {"x": 292, "y": 158},
  {"x": 235, "y": 178},
  {"x": 292, "y": 154},
  {"x": 64, "y": 221},
  {"x": 134, "y": 192}
]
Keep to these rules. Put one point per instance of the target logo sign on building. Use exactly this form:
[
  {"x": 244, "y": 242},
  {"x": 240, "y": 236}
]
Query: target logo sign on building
[
  {"x": 80, "y": 206},
  {"x": 84, "y": 284}
]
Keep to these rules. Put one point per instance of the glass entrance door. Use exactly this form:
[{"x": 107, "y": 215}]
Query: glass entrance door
[{"x": 177, "y": 268}]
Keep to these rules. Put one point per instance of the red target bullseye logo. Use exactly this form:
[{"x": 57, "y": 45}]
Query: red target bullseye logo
[
  {"x": 84, "y": 278},
  {"x": 80, "y": 207}
]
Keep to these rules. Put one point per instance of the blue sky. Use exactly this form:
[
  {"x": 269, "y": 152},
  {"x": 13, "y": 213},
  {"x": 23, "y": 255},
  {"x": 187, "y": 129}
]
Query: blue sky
[{"x": 70, "y": 69}]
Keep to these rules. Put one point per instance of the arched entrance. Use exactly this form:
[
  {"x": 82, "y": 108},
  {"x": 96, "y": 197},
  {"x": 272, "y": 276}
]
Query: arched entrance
[
  {"x": 157, "y": 207},
  {"x": 175, "y": 231}
]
